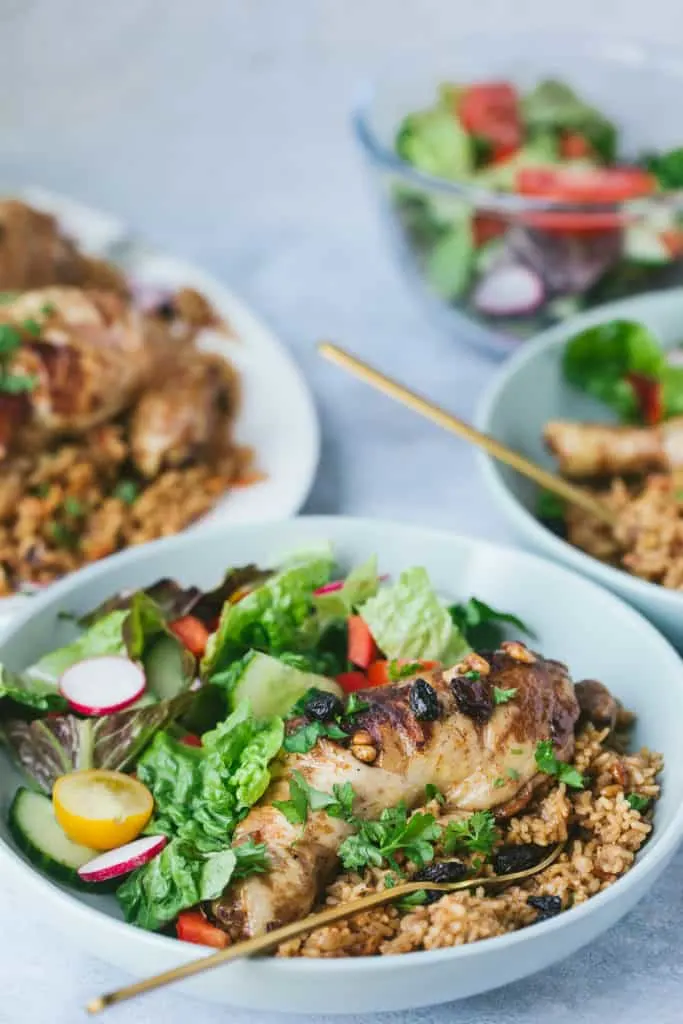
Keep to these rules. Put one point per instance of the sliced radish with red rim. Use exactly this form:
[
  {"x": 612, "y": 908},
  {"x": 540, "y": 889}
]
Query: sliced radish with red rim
[
  {"x": 509, "y": 291},
  {"x": 102, "y": 685},
  {"x": 122, "y": 860}
]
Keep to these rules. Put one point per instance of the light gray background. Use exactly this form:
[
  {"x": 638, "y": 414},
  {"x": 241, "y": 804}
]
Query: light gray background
[{"x": 219, "y": 129}]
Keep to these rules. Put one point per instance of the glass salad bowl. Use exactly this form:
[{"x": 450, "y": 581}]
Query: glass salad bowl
[{"x": 525, "y": 179}]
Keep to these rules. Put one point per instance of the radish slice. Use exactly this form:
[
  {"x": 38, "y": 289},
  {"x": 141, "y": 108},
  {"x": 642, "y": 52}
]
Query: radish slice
[
  {"x": 122, "y": 860},
  {"x": 100, "y": 686},
  {"x": 509, "y": 291},
  {"x": 330, "y": 588}
]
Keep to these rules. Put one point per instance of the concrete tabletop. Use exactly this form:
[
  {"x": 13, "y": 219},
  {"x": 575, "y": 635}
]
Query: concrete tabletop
[{"x": 220, "y": 131}]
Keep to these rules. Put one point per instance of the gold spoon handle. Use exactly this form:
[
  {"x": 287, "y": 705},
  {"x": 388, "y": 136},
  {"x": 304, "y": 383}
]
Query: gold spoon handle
[
  {"x": 263, "y": 943},
  {"x": 431, "y": 411}
]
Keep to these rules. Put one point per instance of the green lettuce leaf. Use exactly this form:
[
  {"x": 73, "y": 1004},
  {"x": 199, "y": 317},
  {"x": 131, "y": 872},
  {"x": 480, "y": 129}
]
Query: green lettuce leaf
[
  {"x": 46, "y": 748},
  {"x": 554, "y": 106},
  {"x": 20, "y": 697},
  {"x": 275, "y": 617},
  {"x": 435, "y": 142},
  {"x": 103, "y": 637},
  {"x": 360, "y": 584},
  {"x": 408, "y": 620}
]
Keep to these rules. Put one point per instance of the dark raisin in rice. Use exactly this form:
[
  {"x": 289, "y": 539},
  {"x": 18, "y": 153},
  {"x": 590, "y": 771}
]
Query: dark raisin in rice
[
  {"x": 511, "y": 859},
  {"x": 444, "y": 871},
  {"x": 423, "y": 701},
  {"x": 324, "y": 706},
  {"x": 547, "y": 906}
]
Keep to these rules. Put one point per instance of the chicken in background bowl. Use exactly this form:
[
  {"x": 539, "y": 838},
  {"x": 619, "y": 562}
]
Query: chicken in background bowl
[
  {"x": 522, "y": 188},
  {"x": 115, "y": 427}
]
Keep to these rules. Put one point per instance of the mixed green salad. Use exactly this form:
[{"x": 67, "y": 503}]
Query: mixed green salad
[
  {"x": 600, "y": 239},
  {"x": 147, "y": 737}
]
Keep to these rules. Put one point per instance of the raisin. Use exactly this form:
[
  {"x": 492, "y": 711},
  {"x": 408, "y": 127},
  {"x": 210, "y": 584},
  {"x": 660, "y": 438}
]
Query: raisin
[
  {"x": 324, "y": 706},
  {"x": 547, "y": 906},
  {"x": 511, "y": 859},
  {"x": 166, "y": 310},
  {"x": 473, "y": 698},
  {"x": 423, "y": 701},
  {"x": 445, "y": 871}
]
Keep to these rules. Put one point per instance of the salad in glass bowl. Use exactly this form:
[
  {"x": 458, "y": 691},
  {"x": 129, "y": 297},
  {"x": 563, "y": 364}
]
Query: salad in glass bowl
[{"x": 523, "y": 194}]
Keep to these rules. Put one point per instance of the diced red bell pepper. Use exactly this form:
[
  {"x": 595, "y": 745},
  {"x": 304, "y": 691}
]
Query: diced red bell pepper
[
  {"x": 491, "y": 110},
  {"x": 352, "y": 681},
  {"x": 361, "y": 646},
  {"x": 192, "y": 926},
  {"x": 190, "y": 740},
  {"x": 487, "y": 226},
  {"x": 648, "y": 391},
  {"x": 191, "y": 632},
  {"x": 378, "y": 673},
  {"x": 575, "y": 146}
]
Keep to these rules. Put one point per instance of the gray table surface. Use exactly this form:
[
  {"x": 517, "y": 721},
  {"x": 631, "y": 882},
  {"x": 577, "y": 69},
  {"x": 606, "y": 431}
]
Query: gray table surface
[{"x": 219, "y": 130}]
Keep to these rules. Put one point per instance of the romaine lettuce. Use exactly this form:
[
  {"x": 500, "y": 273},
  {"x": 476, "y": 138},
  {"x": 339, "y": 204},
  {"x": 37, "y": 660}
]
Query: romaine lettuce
[
  {"x": 407, "y": 620},
  {"x": 360, "y": 585}
]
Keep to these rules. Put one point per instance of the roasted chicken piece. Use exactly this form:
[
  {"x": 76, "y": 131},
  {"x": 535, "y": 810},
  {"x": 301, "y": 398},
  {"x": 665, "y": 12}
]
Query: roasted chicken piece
[
  {"x": 188, "y": 413},
  {"x": 34, "y": 253},
  {"x": 465, "y": 748},
  {"x": 586, "y": 450}
]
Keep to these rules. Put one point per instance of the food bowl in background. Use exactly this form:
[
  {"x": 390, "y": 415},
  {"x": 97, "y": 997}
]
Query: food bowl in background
[
  {"x": 495, "y": 266},
  {"x": 529, "y": 391}
]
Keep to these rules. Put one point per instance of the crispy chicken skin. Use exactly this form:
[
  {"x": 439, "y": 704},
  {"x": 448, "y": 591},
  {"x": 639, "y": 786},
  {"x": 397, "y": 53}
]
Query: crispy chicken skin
[
  {"x": 34, "y": 253},
  {"x": 465, "y": 752},
  {"x": 585, "y": 450},
  {"x": 186, "y": 414}
]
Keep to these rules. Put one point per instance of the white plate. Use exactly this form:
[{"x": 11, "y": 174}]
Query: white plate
[
  {"x": 576, "y": 621},
  {"x": 278, "y": 417}
]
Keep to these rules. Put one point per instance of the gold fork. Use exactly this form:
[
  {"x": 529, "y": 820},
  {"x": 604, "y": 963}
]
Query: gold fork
[{"x": 263, "y": 943}]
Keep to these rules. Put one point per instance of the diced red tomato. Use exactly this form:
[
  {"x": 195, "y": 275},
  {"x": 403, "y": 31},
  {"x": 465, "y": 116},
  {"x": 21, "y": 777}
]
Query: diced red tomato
[
  {"x": 491, "y": 110},
  {"x": 192, "y": 926},
  {"x": 191, "y": 632},
  {"x": 575, "y": 146},
  {"x": 190, "y": 740},
  {"x": 362, "y": 647},
  {"x": 648, "y": 393},
  {"x": 673, "y": 240},
  {"x": 352, "y": 681},
  {"x": 378, "y": 673},
  {"x": 585, "y": 185},
  {"x": 487, "y": 226}
]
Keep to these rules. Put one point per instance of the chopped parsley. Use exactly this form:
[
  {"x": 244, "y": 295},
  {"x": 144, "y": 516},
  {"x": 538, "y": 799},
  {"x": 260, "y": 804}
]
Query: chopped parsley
[
  {"x": 17, "y": 383},
  {"x": 252, "y": 859},
  {"x": 73, "y": 507},
  {"x": 10, "y": 340},
  {"x": 498, "y": 782},
  {"x": 481, "y": 625},
  {"x": 477, "y": 834},
  {"x": 548, "y": 763},
  {"x": 48, "y": 308},
  {"x": 41, "y": 490},
  {"x": 397, "y": 671},
  {"x": 433, "y": 792},
  {"x": 303, "y": 798},
  {"x": 549, "y": 507},
  {"x": 376, "y": 843},
  {"x": 12, "y": 383},
  {"x": 503, "y": 696},
  {"x": 305, "y": 738},
  {"x": 32, "y": 327},
  {"x": 61, "y": 535},
  {"x": 126, "y": 491},
  {"x": 413, "y": 899},
  {"x": 637, "y": 802},
  {"x": 513, "y": 774},
  {"x": 355, "y": 705},
  {"x": 472, "y": 675}
]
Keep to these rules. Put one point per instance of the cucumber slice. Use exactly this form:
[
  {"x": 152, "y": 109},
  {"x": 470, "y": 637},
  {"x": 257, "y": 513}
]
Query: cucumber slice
[
  {"x": 169, "y": 668},
  {"x": 271, "y": 687},
  {"x": 36, "y": 832}
]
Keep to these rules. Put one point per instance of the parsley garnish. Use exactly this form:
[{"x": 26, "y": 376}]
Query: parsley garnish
[
  {"x": 549, "y": 506},
  {"x": 305, "y": 738},
  {"x": 126, "y": 491},
  {"x": 503, "y": 696},
  {"x": 303, "y": 797},
  {"x": 377, "y": 842},
  {"x": 62, "y": 536},
  {"x": 355, "y": 705},
  {"x": 47, "y": 309},
  {"x": 478, "y": 834},
  {"x": 513, "y": 774},
  {"x": 481, "y": 625},
  {"x": 548, "y": 763},
  {"x": 432, "y": 792},
  {"x": 500, "y": 781},
  {"x": 473, "y": 675},
  {"x": 252, "y": 859},
  {"x": 41, "y": 490},
  {"x": 17, "y": 383},
  {"x": 396, "y": 671},
  {"x": 12, "y": 383},
  {"x": 10, "y": 340},
  {"x": 73, "y": 507},
  {"x": 32, "y": 326},
  {"x": 637, "y": 802},
  {"x": 413, "y": 899}
]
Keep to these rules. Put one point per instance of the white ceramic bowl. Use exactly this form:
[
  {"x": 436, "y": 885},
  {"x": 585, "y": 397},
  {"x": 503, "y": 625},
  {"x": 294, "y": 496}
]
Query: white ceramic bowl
[
  {"x": 594, "y": 632},
  {"x": 529, "y": 391}
]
